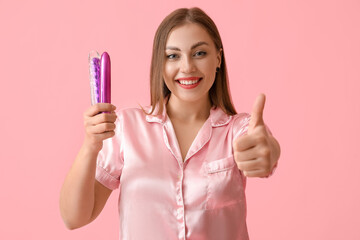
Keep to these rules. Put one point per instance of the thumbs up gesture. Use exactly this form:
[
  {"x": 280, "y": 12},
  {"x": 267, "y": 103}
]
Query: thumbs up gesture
[{"x": 257, "y": 152}]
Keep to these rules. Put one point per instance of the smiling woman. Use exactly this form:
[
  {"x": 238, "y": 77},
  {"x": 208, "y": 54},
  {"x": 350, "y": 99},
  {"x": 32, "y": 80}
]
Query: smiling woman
[
  {"x": 191, "y": 64},
  {"x": 201, "y": 46},
  {"x": 181, "y": 163}
]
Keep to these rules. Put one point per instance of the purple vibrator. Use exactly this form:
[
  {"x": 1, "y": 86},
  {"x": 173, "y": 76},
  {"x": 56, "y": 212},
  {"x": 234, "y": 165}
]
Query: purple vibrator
[{"x": 100, "y": 77}]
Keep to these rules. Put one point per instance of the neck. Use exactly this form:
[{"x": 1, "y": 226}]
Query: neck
[{"x": 188, "y": 112}]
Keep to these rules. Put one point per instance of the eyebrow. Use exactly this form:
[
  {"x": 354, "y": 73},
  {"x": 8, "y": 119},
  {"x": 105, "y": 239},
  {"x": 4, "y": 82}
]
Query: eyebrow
[{"x": 192, "y": 47}]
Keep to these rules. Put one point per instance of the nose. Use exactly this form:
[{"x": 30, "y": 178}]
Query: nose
[{"x": 187, "y": 65}]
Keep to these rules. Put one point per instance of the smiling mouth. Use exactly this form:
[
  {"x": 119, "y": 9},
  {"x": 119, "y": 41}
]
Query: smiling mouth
[{"x": 189, "y": 82}]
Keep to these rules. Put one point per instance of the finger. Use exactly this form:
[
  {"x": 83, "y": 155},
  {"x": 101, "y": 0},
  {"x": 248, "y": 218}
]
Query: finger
[
  {"x": 108, "y": 134},
  {"x": 103, "y": 136},
  {"x": 244, "y": 142},
  {"x": 246, "y": 155},
  {"x": 255, "y": 173},
  {"x": 101, "y": 128},
  {"x": 100, "y": 118},
  {"x": 103, "y": 118},
  {"x": 99, "y": 107},
  {"x": 257, "y": 112},
  {"x": 250, "y": 165}
]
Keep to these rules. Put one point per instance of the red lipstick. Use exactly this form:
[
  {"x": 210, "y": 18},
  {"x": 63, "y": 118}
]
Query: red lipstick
[
  {"x": 189, "y": 86},
  {"x": 188, "y": 78}
]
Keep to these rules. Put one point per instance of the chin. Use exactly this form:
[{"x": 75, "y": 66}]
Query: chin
[{"x": 190, "y": 99}]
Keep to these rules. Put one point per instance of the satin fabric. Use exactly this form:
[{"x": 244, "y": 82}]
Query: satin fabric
[{"x": 163, "y": 197}]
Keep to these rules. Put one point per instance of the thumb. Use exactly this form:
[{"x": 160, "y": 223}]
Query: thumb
[{"x": 257, "y": 112}]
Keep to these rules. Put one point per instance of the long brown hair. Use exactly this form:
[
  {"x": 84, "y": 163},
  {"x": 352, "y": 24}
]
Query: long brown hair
[{"x": 219, "y": 92}]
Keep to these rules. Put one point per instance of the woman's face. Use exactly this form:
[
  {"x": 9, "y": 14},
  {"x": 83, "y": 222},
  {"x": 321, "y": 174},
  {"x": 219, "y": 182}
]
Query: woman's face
[{"x": 191, "y": 62}]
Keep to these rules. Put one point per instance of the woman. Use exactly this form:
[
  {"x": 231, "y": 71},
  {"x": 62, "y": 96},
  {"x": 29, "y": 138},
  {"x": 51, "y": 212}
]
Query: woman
[{"x": 182, "y": 162}]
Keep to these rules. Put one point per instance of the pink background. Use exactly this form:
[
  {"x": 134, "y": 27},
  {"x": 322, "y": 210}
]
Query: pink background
[{"x": 304, "y": 55}]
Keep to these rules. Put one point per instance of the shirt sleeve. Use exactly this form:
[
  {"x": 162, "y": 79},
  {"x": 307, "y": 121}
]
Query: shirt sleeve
[
  {"x": 241, "y": 124},
  {"x": 110, "y": 160}
]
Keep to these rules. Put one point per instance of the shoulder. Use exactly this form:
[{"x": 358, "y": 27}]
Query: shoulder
[
  {"x": 241, "y": 118},
  {"x": 132, "y": 114},
  {"x": 129, "y": 111}
]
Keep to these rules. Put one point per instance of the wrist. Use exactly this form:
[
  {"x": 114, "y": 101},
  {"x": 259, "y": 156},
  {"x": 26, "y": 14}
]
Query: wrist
[{"x": 91, "y": 147}]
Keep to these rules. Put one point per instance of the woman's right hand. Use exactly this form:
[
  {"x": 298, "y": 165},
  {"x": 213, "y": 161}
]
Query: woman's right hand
[{"x": 99, "y": 126}]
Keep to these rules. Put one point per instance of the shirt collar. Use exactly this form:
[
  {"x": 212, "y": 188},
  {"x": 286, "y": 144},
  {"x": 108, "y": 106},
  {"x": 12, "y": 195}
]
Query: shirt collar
[{"x": 217, "y": 116}]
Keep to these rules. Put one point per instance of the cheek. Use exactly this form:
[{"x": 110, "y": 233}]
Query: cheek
[
  {"x": 209, "y": 70},
  {"x": 207, "y": 67},
  {"x": 169, "y": 70},
  {"x": 168, "y": 75}
]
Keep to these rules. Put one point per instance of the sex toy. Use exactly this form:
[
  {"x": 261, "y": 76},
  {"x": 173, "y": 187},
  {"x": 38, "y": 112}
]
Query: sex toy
[{"x": 100, "y": 77}]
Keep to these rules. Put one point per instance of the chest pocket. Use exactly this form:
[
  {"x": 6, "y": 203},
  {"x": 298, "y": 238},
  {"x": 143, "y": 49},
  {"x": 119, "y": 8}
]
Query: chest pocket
[{"x": 225, "y": 185}]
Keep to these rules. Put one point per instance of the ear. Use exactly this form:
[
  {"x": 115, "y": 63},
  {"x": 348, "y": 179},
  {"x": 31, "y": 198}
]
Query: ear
[{"x": 219, "y": 57}]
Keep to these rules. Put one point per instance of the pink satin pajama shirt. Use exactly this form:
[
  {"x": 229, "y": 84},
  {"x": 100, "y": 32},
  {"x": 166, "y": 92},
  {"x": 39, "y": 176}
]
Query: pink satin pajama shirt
[{"x": 163, "y": 198}]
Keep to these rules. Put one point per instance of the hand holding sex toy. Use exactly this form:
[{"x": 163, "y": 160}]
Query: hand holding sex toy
[{"x": 99, "y": 125}]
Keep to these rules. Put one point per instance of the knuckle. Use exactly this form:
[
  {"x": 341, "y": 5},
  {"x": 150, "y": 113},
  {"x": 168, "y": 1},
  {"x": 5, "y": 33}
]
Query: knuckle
[
  {"x": 108, "y": 118},
  {"x": 87, "y": 120},
  {"x": 239, "y": 165},
  {"x": 266, "y": 166},
  {"x": 109, "y": 126},
  {"x": 86, "y": 114},
  {"x": 238, "y": 142},
  {"x": 235, "y": 145},
  {"x": 261, "y": 138},
  {"x": 109, "y": 134},
  {"x": 112, "y": 126},
  {"x": 97, "y": 107},
  {"x": 104, "y": 118},
  {"x": 113, "y": 117},
  {"x": 86, "y": 125},
  {"x": 241, "y": 139},
  {"x": 265, "y": 152},
  {"x": 238, "y": 156}
]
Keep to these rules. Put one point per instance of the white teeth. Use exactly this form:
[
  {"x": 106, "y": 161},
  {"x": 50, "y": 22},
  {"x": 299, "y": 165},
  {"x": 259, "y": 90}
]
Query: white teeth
[{"x": 188, "y": 82}]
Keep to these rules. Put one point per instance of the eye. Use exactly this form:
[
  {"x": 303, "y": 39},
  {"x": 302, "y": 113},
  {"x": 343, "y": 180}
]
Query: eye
[
  {"x": 171, "y": 56},
  {"x": 200, "y": 53}
]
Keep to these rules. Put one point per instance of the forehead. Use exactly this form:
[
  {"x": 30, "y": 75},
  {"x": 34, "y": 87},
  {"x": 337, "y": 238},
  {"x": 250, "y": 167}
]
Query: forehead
[{"x": 185, "y": 35}]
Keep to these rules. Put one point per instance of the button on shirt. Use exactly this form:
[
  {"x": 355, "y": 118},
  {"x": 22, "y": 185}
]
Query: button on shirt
[{"x": 163, "y": 197}]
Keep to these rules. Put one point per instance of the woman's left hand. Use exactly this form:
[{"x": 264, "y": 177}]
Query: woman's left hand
[{"x": 257, "y": 152}]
